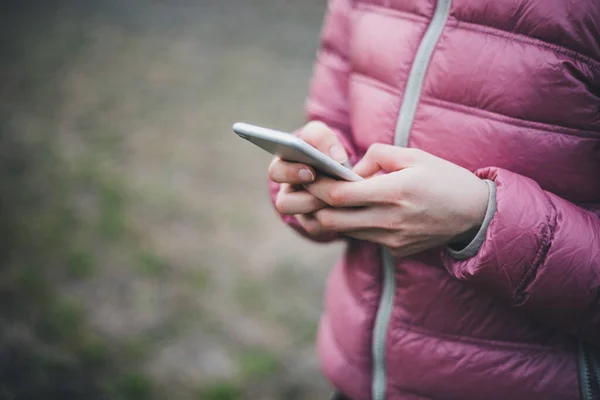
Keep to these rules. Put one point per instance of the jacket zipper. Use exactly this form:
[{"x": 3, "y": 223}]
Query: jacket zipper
[
  {"x": 589, "y": 373},
  {"x": 408, "y": 109},
  {"x": 416, "y": 77}
]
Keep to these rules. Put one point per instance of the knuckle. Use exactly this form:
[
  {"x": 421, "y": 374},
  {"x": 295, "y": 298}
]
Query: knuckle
[
  {"x": 280, "y": 202},
  {"x": 313, "y": 229},
  {"x": 315, "y": 126},
  {"x": 283, "y": 205},
  {"x": 335, "y": 197},
  {"x": 374, "y": 150},
  {"x": 313, "y": 132},
  {"x": 325, "y": 220},
  {"x": 284, "y": 188},
  {"x": 273, "y": 169},
  {"x": 415, "y": 154},
  {"x": 376, "y": 147}
]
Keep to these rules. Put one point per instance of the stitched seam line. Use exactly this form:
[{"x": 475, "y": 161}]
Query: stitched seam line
[
  {"x": 355, "y": 365},
  {"x": 392, "y": 12},
  {"x": 469, "y": 110},
  {"x": 330, "y": 58},
  {"x": 487, "y": 30},
  {"x": 327, "y": 46},
  {"x": 519, "y": 37},
  {"x": 313, "y": 107},
  {"x": 375, "y": 83},
  {"x": 496, "y": 345},
  {"x": 519, "y": 295},
  {"x": 539, "y": 126}
]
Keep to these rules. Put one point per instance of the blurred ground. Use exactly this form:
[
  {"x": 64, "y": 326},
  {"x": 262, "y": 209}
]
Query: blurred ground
[{"x": 140, "y": 255}]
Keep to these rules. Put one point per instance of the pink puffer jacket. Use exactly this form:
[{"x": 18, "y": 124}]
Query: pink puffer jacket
[{"x": 509, "y": 89}]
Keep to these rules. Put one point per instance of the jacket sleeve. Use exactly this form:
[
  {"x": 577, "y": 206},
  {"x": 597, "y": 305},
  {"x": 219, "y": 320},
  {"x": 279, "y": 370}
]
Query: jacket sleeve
[
  {"x": 539, "y": 253},
  {"x": 328, "y": 96}
]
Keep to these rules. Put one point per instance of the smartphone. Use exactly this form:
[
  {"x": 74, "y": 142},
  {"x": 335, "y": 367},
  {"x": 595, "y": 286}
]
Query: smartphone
[{"x": 292, "y": 149}]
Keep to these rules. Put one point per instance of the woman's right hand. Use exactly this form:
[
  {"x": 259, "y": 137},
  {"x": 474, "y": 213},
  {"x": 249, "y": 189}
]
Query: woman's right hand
[{"x": 292, "y": 199}]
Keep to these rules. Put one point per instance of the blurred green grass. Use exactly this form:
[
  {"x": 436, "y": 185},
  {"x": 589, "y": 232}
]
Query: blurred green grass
[{"x": 126, "y": 235}]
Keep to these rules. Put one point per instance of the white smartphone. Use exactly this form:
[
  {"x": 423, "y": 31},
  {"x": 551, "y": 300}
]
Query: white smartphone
[{"x": 290, "y": 148}]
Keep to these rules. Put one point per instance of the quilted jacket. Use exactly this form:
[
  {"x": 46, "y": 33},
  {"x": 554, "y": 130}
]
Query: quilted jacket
[{"x": 509, "y": 89}]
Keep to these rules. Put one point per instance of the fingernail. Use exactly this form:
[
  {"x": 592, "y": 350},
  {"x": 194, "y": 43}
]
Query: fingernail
[
  {"x": 306, "y": 175},
  {"x": 338, "y": 153}
]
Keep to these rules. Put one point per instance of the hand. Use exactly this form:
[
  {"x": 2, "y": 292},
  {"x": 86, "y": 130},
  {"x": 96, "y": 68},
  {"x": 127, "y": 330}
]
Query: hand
[
  {"x": 421, "y": 203},
  {"x": 292, "y": 199}
]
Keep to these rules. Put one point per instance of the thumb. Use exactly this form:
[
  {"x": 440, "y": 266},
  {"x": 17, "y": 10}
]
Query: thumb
[
  {"x": 386, "y": 158},
  {"x": 324, "y": 139}
]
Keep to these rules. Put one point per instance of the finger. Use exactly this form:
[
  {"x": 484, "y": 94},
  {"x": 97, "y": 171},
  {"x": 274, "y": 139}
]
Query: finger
[
  {"x": 321, "y": 189},
  {"x": 383, "y": 157},
  {"x": 285, "y": 172},
  {"x": 297, "y": 202},
  {"x": 310, "y": 224},
  {"x": 343, "y": 220},
  {"x": 321, "y": 137},
  {"x": 350, "y": 194}
]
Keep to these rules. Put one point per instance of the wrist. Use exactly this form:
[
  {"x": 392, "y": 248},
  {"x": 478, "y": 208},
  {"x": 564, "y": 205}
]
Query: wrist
[
  {"x": 474, "y": 217},
  {"x": 479, "y": 207},
  {"x": 467, "y": 244}
]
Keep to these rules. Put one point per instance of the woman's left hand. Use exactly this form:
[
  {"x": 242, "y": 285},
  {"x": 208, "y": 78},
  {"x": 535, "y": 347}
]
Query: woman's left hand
[{"x": 422, "y": 202}]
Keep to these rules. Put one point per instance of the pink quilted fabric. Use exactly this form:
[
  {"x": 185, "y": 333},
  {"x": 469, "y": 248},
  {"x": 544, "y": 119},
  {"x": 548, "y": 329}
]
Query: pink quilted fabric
[{"x": 512, "y": 92}]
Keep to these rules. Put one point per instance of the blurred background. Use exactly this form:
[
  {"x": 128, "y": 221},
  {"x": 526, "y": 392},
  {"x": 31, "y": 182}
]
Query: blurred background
[{"x": 140, "y": 257}]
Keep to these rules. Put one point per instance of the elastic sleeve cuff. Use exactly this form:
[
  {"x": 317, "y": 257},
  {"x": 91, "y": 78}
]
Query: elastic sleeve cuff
[{"x": 473, "y": 247}]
